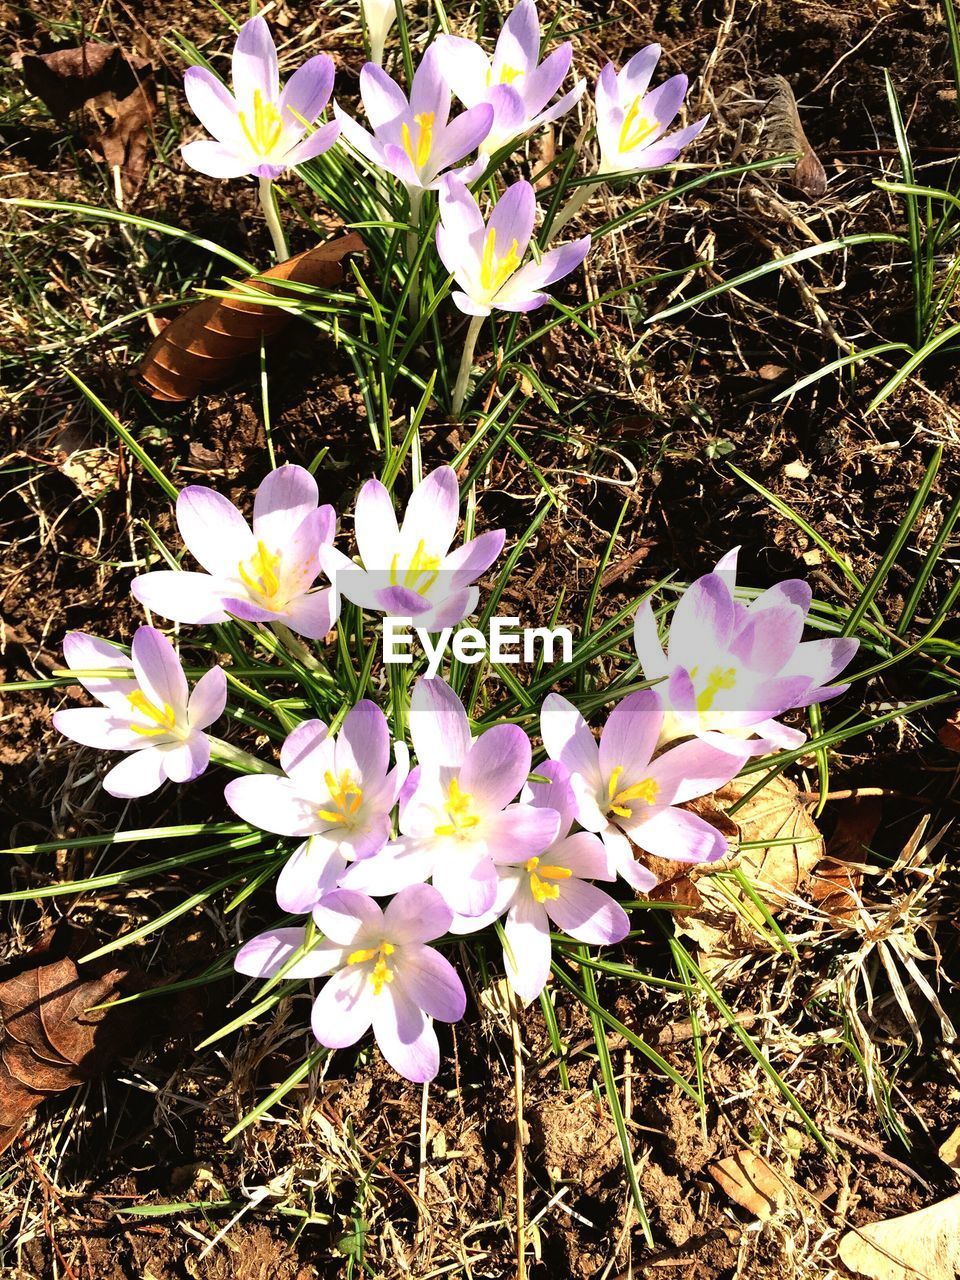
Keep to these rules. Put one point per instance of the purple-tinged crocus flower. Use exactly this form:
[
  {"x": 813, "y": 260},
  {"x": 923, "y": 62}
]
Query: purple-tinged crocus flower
[
  {"x": 485, "y": 258},
  {"x": 632, "y": 124},
  {"x": 415, "y": 141},
  {"x": 259, "y": 129},
  {"x": 732, "y": 668},
  {"x": 338, "y": 791},
  {"x": 518, "y": 89},
  {"x": 149, "y": 712},
  {"x": 409, "y": 570},
  {"x": 458, "y": 820},
  {"x": 261, "y": 576},
  {"x": 625, "y": 795},
  {"x": 383, "y": 974},
  {"x": 552, "y": 887}
]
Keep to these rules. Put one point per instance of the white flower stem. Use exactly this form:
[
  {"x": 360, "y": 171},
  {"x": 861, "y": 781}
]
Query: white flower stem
[
  {"x": 226, "y": 753},
  {"x": 296, "y": 648},
  {"x": 268, "y": 204},
  {"x": 572, "y": 207},
  {"x": 412, "y": 243},
  {"x": 466, "y": 364}
]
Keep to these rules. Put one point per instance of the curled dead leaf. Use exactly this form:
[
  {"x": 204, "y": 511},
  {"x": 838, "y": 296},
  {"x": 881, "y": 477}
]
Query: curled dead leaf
[
  {"x": 949, "y": 734},
  {"x": 204, "y": 345},
  {"x": 925, "y": 1244},
  {"x": 750, "y": 1180}
]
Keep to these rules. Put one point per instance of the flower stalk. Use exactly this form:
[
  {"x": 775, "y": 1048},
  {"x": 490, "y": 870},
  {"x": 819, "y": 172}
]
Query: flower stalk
[
  {"x": 466, "y": 364},
  {"x": 268, "y": 203}
]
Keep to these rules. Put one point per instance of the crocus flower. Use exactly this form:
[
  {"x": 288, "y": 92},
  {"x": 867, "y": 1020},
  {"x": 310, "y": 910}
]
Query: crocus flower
[
  {"x": 260, "y": 576},
  {"x": 410, "y": 571},
  {"x": 552, "y": 887},
  {"x": 625, "y": 795},
  {"x": 733, "y": 668},
  {"x": 148, "y": 712},
  {"x": 458, "y": 821},
  {"x": 338, "y": 791},
  {"x": 485, "y": 258},
  {"x": 259, "y": 129},
  {"x": 632, "y": 123},
  {"x": 379, "y": 16},
  {"x": 384, "y": 974},
  {"x": 415, "y": 141},
  {"x": 512, "y": 82}
]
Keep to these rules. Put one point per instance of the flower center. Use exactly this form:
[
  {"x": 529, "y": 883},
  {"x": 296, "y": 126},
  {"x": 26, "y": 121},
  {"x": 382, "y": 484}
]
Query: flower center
[
  {"x": 260, "y": 575},
  {"x": 419, "y": 153},
  {"x": 495, "y": 271},
  {"x": 164, "y": 719},
  {"x": 346, "y": 797},
  {"x": 458, "y": 810},
  {"x": 637, "y": 126},
  {"x": 541, "y": 875},
  {"x": 421, "y": 566},
  {"x": 646, "y": 791},
  {"x": 719, "y": 678},
  {"x": 381, "y": 973},
  {"x": 264, "y": 133}
]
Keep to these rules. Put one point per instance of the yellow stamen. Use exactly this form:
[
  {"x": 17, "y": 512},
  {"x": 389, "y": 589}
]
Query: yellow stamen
[
  {"x": 260, "y": 575},
  {"x": 458, "y": 811},
  {"x": 164, "y": 719},
  {"x": 420, "y": 566},
  {"x": 541, "y": 873},
  {"x": 419, "y": 154},
  {"x": 507, "y": 75},
  {"x": 719, "y": 678},
  {"x": 381, "y": 973},
  {"x": 637, "y": 126},
  {"x": 495, "y": 271},
  {"x": 267, "y": 125},
  {"x": 346, "y": 797},
  {"x": 645, "y": 790}
]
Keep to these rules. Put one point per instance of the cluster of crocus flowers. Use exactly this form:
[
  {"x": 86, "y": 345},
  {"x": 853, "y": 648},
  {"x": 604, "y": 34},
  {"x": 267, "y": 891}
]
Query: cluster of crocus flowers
[{"x": 474, "y": 831}]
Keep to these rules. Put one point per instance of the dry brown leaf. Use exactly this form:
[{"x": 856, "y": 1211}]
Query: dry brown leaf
[
  {"x": 204, "y": 345},
  {"x": 835, "y": 884},
  {"x": 918, "y": 1246},
  {"x": 949, "y": 734},
  {"x": 50, "y": 1037},
  {"x": 949, "y": 1151},
  {"x": 749, "y": 1179}
]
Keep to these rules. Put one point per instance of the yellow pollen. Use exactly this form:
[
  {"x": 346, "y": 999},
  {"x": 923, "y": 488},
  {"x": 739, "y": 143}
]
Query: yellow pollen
[
  {"x": 260, "y": 575},
  {"x": 719, "y": 678},
  {"x": 637, "y": 126},
  {"x": 420, "y": 154},
  {"x": 458, "y": 811},
  {"x": 541, "y": 873},
  {"x": 267, "y": 127},
  {"x": 381, "y": 973},
  {"x": 494, "y": 271},
  {"x": 421, "y": 566},
  {"x": 345, "y": 798},
  {"x": 646, "y": 790},
  {"x": 164, "y": 720}
]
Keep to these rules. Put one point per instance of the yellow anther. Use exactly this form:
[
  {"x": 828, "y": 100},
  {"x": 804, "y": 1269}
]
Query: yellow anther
[
  {"x": 646, "y": 790},
  {"x": 719, "y": 678},
  {"x": 541, "y": 874},
  {"x": 421, "y": 566},
  {"x": 381, "y": 973},
  {"x": 260, "y": 575},
  {"x": 346, "y": 796},
  {"x": 495, "y": 271},
  {"x": 458, "y": 811},
  {"x": 164, "y": 719},
  {"x": 419, "y": 153},
  {"x": 264, "y": 133},
  {"x": 637, "y": 126}
]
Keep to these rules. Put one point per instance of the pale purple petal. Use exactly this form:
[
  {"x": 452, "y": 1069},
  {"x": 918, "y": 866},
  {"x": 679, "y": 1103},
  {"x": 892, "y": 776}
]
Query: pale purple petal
[
  {"x": 315, "y": 144},
  {"x": 417, "y": 914},
  {"x": 542, "y": 83},
  {"x": 666, "y": 150},
  {"x": 139, "y": 774},
  {"x": 405, "y": 1037},
  {"x": 311, "y": 872},
  {"x": 429, "y": 91},
  {"x": 187, "y": 761},
  {"x": 630, "y": 735},
  {"x": 375, "y": 525},
  {"x": 284, "y": 500},
  {"x": 213, "y": 105},
  {"x": 496, "y": 766},
  {"x": 461, "y": 136},
  {"x": 451, "y": 610},
  {"x": 624, "y": 863},
  {"x": 767, "y": 640},
  {"x": 527, "y": 964},
  {"x": 208, "y": 699},
  {"x": 512, "y": 219},
  {"x": 695, "y": 768},
  {"x": 821, "y": 660},
  {"x": 466, "y": 563},
  {"x": 158, "y": 670},
  {"x": 522, "y": 290},
  {"x": 460, "y": 237},
  {"x": 358, "y": 137},
  {"x": 268, "y": 952},
  {"x": 99, "y": 727},
  {"x": 213, "y": 530},
  {"x": 663, "y": 102},
  {"x": 363, "y": 744},
  {"x": 561, "y": 106},
  {"x": 439, "y": 728},
  {"x": 307, "y": 92},
  {"x": 582, "y": 853},
  {"x": 431, "y": 982},
  {"x": 307, "y": 752},
  {"x": 195, "y": 598},
  {"x": 568, "y": 739},
  {"x": 343, "y": 1010},
  {"x": 680, "y": 836},
  {"x": 311, "y": 616},
  {"x": 508, "y": 885},
  {"x": 634, "y": 80},
  {"x": 401, "y": 863},
  {"x": 216, "y": 159},
  {"x": 83, "y": 652},
  {"x": 255, "y": 64},
  {"x": 646, "y": 641},
  {"x": 518, "y": 45},
  {"x": 702, "y": 622},
  {"x": 590, "y": 802},
  {"x": 383, "y": 99},
  {"x": 465, "y": 68},
  {"x": 346, "y": 917},
  {"x": 432, "y": 513},
  {"x": 588, "y": 914},
  {"x": 556, "y": 794},
  {"x": 273, "y": 804},
  {"x": 520, "y": 832},
  {"x": 468, "y": 306},
  {"x": 465, "y": 878}
]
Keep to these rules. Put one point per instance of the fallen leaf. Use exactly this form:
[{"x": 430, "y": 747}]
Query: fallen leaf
[
  {"x": 949, "y": 734},
  {"x": 50, "y": 1036},
  {"x": 917, "y": 1246},
  {"x": 204, "y": 345},
  {"x": 949, "y": 1151},
  {"x": 835, "y": 883},
  {"x": 750, "y": 1180}
]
